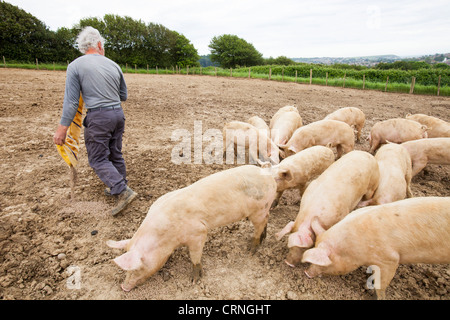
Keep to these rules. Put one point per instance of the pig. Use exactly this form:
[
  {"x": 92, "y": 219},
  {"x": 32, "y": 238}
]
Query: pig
[
  {"x": 354, "y": 117},
  {"x": 238, "y": 133},
  {"x": 330, "y": 197},
  {"x": 283, "y": 124},
  {"x": 436, "y": 127},
  {"x": 323, "y": 132},
  {"x": 183, "y": 218},
  {"x": 395, "y": 130},
  {"x": 259, "y": 124},
  {"x": 298, "y": 170},
  {"x": 428, "y": 151},
  {"x": 394, "y": 163},
  {"x": 408, "y": 231}
]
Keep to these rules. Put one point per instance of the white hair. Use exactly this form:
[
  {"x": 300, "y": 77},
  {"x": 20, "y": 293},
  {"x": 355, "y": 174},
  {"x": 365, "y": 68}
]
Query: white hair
[{"x": 89, "y": 38}]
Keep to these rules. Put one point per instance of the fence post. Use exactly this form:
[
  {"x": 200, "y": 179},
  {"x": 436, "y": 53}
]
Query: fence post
[
  {"x": 4, "y": 64},
  {"x": 364, "y": 81},
  {"x": 387, "y": 80},
  {"x": 282, "y": 74},
  {"x": 326, "y": 81},
  {"x": 345, "y": 75},
  {"x": 310, "y": 76},
  {"x": 135, "y": 68},
  {"x": 126, "y": 67},
  {"x": 249, "y": 72},
  {"x": 37, "y": 63},
  {"x": 295, "y": 76},
  {"x": 215, "y": 71},
  {"x": 439, "y": 82},
  {"x": 270, "y": 73},
  {"x": 413, "y": 83}
]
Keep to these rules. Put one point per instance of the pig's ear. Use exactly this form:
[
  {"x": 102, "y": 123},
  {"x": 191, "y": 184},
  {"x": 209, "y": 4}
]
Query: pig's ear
[
  {"x": 117, "y": 244},
  {"x": 129, "y": 261},
  {"x": 265, "y": 164},
  {"x": 293, "y": 149},
  {"x": 301, "y": 240},
  {"x": 286, "y": 174},
  {"x": 287, "y": 229},
  {"x": 318, "y": 256},
  {"x": 317, "y": 227}
]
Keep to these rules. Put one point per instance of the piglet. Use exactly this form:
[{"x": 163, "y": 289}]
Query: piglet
[
  {"x": 408, "y": 231},
  {"x": 247, "y": 136},
  {"x": 436, "y": 127},
  {"x": 352, "y": 116},
  {"x": 395, "y": 168},
  {"x": 283, "y": 124},
  {"x": 299, "y": 170},
  {"x": 323, "y": 132},
  {"x": 428, "y": 151},
  {"x": 396, "y": 130},
  {"x": 330, "y": 197},
  {"x": 184, "y": 217}
]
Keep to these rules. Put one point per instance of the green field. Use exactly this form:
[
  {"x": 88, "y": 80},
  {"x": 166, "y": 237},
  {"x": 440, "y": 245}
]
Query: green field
[{"x": 367, "y": 79}]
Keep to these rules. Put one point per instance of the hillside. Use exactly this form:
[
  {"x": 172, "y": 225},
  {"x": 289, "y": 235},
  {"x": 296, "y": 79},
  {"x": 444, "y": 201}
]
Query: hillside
[{"x": 373, "y": 60}]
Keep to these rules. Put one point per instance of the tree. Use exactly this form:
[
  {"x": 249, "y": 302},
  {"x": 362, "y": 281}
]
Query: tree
[
  {"x": 184, "y": 52},
  {"x": 231, "y": 51},
  {"x": 281, "y": 60},
  {"x": 136, "y": 43},
  {"x": 22, "y": 36}
]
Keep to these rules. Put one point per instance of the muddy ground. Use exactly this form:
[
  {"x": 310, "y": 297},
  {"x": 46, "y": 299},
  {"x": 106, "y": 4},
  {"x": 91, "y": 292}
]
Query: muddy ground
[{"x": 49, "y": 244}]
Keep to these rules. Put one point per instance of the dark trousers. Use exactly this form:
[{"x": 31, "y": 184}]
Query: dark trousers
[{"x": 103, "y": 131}]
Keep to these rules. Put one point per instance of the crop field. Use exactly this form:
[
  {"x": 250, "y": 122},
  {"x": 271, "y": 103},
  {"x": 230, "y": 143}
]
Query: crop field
[{"x": 53, "y": 247}]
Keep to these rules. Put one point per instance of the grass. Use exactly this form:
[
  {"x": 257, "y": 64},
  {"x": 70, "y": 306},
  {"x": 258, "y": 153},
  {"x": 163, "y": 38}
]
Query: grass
[{"x": 240, "y": 73}]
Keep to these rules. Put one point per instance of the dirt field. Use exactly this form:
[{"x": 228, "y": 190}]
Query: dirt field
[{"x": 46, "y": 239}]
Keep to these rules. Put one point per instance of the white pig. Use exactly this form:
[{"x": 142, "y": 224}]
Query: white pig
[
  {"x": 428, "y": 151},
  {"x": 238, "y": 133},
  {"x": 354, "y": 117},
  {"x": 436, "y": 127},
  {"x": 259, "y": 124},
  {"x": 184, "y": 217},
  {"x": 298, "y": 170},
  {"x": 395, "y": 168},
  {"x": 330, "y": 197},
  {"x": 409, "y": 231},
  {"x": 283, "y": 124},
  {"x": 396, "y": 130},
  {"x": 323, "y": 132}
]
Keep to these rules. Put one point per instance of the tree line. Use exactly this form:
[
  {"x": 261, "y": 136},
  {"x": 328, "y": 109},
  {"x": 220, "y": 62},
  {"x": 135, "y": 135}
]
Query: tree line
[{"x": 24, "y": 38}]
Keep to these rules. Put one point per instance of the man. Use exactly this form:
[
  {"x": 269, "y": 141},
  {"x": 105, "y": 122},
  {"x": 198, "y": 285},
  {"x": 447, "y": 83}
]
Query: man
[{"x": 102, "y": 86}]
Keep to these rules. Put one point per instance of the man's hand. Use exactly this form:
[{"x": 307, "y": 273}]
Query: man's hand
[{"x": 60, "y": 135}]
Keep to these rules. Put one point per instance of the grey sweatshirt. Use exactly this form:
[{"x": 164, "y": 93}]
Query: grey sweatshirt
[{"x": 100, "y": 81}]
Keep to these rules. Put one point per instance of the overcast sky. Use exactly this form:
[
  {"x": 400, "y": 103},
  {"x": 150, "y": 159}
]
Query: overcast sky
[{"x": 292, "y": 28}]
